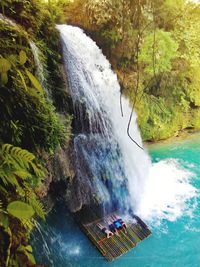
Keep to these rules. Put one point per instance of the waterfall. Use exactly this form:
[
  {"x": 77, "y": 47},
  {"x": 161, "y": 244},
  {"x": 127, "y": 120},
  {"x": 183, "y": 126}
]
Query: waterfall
[
  {"x": 7, "y": 20},
  {"x": 36, "y": 54},
  {"x": 109, "y": 166},
  {"x": 39, "y": 66}
]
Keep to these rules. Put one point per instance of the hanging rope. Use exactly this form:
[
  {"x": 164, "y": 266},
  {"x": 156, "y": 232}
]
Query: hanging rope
[
  {"x": 137, "y": 82},
  {"x": 123, "y": 30}
]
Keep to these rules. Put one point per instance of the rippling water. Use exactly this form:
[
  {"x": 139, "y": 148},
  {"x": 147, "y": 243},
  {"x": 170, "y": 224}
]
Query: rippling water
[{"x": 170, "y": 205}]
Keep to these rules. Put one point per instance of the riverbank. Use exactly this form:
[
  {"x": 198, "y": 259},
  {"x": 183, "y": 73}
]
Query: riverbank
[{"x": 181, "y": 136}]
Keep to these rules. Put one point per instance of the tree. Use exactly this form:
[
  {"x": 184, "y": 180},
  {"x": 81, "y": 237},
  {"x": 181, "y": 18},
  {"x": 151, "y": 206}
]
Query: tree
[{"x": 164, "y": 50}]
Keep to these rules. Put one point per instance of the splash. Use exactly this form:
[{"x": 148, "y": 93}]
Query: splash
[{"x": 167, "y": 192}]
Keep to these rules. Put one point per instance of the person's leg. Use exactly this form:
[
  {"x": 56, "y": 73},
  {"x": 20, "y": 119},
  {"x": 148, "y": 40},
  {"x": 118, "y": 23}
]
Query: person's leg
[{"x": 105, "y": 230}]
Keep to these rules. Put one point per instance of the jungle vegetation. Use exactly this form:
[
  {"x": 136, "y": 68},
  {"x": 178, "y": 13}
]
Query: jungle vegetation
[
  {"x": 34, "y": 120},
  {"x": 153, "y": 46}
]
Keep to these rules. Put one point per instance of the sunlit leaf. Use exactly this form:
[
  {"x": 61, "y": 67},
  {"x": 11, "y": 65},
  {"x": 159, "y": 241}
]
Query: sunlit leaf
[
  {"x": 35, "y": 82},
  {"x": 31, "y": 258},
  {"x": 29, "y": 248},
  {"x": 4, "y": 65},
  {"x": 22, "y": 174},
  {"x": 20, "y": 210},
  {"x": 22, "y": 57},
  {"x": 4, "y": 78},
  {"x": 23, "y": 80},
  {"x": 4, "y": 220}
]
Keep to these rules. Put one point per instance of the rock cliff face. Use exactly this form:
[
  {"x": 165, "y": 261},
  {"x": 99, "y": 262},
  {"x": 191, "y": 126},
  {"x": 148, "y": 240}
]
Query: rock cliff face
[{"x": 61, "y": 180}]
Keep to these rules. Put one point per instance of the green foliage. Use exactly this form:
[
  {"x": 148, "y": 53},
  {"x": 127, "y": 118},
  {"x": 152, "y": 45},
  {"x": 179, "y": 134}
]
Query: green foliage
[
  {"x": 31, "y": 14},
  {"x": 26, "y": 111},
  {"x": 4, "y": 68},
  {"x": 35, "y": 82},
  {"x": 29, "y": 119},
  {"x": 160, "y": 40},
  {"x": 20, "y": 210},
  {"x": 4, "y": 65},
  {"x": 20, "y": 176},
  {"x": 163, "y": 51},
  {"x": 22, "y": 57},
  {"x": 22, "y": 79},
  {"x": 112, "y": 36},
  {"x": 19, "y": 172},
  {"x": 4, "y": 221}
]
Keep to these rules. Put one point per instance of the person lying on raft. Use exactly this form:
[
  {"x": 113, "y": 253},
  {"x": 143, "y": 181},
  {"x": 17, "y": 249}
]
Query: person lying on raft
[
  {"x": 119, "y": 223},
  {"x": 112, "y": 227},
  {"x": 105, "y": 230}
]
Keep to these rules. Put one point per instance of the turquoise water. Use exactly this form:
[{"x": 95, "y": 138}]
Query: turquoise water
[{"x": 174, "y": 243}]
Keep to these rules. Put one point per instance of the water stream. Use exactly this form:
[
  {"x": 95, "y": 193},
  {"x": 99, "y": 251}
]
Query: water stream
[{"x": 39, "y": 66}]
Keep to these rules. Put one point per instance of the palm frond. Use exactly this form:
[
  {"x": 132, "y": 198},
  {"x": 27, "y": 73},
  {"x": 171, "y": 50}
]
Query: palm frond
[
  {"x": 28, "y": 224},
  {"x": 16, "y": 163},
  {"x": 36, "y": 205}
]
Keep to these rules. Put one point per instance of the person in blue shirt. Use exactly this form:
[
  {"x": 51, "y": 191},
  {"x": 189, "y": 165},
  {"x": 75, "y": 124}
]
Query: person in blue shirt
[
  {"x": 118, "y": 222},
  {"x": 112, "y": 226}
]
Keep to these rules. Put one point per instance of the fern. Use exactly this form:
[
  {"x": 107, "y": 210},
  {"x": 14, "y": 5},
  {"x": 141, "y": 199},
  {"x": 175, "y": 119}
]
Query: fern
[
  {"x": 18, "y": 168},
  {"x": 3, "y": 191},
  {"x": 18, "y": 163},
  {"x": 18, "y": 156},
  {"x": 37, "y": 206},
  {"x": 7, "y": 178},
  {"x": 38, "y": 170},
  {"x": 28, "y": 224}
]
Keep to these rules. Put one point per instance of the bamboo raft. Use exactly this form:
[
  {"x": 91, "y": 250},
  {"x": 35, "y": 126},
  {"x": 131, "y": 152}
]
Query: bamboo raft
[{"x": 115, "y": 246}]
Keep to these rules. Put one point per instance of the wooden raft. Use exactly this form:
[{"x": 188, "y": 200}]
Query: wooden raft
[{"x": 115, "y": 246}]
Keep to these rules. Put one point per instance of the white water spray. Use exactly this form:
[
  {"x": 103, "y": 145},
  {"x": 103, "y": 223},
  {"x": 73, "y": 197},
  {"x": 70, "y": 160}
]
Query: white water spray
[
  {"x": 167, "y": 191},
  {"x": 159, "y": 190}
]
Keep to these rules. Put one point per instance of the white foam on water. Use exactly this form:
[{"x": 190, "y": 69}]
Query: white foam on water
[
  {"x": 167, "y": 192},
  {"x": 74, "y": 251}
]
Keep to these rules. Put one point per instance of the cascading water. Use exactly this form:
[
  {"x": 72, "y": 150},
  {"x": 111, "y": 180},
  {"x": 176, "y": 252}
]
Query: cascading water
[
  {"x": 9, "y": 21},
  {"x": 110, "y": 167},
  {"x": 39, "y": 66}
]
